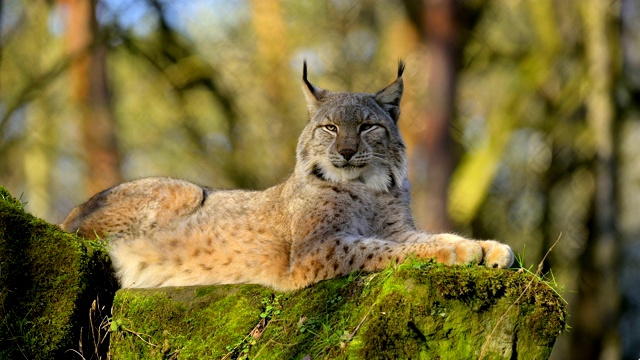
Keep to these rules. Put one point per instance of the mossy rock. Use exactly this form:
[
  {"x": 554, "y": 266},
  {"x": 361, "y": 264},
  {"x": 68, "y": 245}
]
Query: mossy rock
[
  {"x": 417, "y": 310},
  {"x": 49, "y": 280}
]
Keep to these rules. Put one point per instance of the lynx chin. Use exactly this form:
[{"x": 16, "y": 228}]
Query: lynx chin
[{"x": 345, "y": 208}]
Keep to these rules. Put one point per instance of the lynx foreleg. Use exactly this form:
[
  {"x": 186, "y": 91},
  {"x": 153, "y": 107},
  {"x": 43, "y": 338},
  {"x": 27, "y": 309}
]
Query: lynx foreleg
[
  {"x": 491, "y": 253},
  {"x": 330, "y": 258}
]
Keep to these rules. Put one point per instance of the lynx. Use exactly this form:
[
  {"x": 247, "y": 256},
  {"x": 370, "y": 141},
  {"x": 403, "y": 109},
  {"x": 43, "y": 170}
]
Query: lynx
[{"x": 345, "y": 208}]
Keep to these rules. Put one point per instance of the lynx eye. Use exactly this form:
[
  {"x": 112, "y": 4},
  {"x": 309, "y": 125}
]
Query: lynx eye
[
  {"x": 331, "y": 128},
  {"x": 365, "y": 127}
]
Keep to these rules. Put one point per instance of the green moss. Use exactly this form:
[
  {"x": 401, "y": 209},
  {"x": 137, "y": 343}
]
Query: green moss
[
  {"x": 315, "y": 321},
  {"x": 48, "y": 280},
  {"x": 153, "y": 324},
  {"x": 417, "y": 310}
]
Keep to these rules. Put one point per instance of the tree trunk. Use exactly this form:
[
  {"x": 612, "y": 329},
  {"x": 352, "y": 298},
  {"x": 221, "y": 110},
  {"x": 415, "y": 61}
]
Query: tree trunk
[
  {"x": 433, "y": 160},
  {"x": 271, "y": 60},
  {"x": 39, "y": 152},
  {"x": 90, "y": 93},
  {"x": 629, "y": 170},
  {"x": 595, "y": 334}
]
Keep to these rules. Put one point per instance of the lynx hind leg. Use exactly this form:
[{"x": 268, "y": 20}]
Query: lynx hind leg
[
  {"x": 496, "y": 254},
  {"x": 135, "y": 206},
  {"x": 79, "y": 218}
]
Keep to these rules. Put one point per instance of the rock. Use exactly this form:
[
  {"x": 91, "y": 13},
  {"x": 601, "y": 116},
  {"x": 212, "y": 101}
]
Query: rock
[
  {"x": 416, "y": 310},
  {"x": 49, "y": 280}
]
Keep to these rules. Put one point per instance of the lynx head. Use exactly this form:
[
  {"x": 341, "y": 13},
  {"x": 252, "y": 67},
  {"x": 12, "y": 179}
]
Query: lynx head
[{"x": 353, "y": 137}]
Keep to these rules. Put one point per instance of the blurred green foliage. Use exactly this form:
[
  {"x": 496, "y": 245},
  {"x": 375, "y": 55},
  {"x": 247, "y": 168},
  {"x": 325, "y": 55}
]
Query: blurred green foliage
[{"x": 209, "y": 91}]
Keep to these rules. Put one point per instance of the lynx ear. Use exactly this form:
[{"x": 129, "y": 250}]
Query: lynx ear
[
  {"x": 312, "y": 93},
  {"x": 389, "y": 97}
]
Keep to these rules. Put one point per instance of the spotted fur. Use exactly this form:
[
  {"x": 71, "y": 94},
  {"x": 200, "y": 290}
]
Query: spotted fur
[{"x": 345, "y": 208}]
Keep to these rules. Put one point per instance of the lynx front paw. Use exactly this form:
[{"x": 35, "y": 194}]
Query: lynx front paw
[
  {"x": 463, "y": 251},
  {"x": 496, "y": 255}
]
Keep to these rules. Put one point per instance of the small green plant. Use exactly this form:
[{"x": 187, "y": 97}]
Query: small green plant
[
  {"x": 7, "y": 197},
  {"x": 537, "y": 275},
  {"x": 326, "y": 336},
  {"x": 272, "y": 307},
  {"x": 22, "y": 202},
  {"x": 116, "y": 325},
  {"x": 548, "y": 278},
  {"x": 337, "y": 299},
  {"x": 241, "y": 348},
  {"x": 308, "y": 325}
]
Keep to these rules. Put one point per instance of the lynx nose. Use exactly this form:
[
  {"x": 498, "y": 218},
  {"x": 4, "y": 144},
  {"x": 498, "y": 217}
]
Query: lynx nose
[{"x": 347, "y": 154}]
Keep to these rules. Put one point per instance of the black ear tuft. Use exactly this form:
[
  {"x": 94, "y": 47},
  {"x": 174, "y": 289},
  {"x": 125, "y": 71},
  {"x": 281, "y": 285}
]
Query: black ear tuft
[
  {"x": 312, "y": 93},
  {"x": 304, "y": 73},
  {"x": 389, "y": 97},
  {"x": 400, "y": 67},
  {"x": 309, "y": 87}
]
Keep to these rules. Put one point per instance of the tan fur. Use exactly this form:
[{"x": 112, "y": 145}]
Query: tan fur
[{"x": 345, "y": 208}]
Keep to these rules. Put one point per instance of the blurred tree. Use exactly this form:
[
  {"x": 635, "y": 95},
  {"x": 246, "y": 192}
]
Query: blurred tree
[
  {"x": 272, "y": 54},
  {"x": 194, "y": 126},
  {"x": 598, "y": 307},
  {"x": 523, "y": 93},
  {"x": 443, "y": 27},
  {"x": 91, "y": 94},
  {"x": 438, "y": 24},
  {"x": 538, "y": 128},
  {"x": 38, "y": 157},
  {"x": 628, "y": 132}
]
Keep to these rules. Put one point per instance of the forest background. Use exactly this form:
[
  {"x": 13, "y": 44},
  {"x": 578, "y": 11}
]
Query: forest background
[{"x": 522, "y": 117}]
